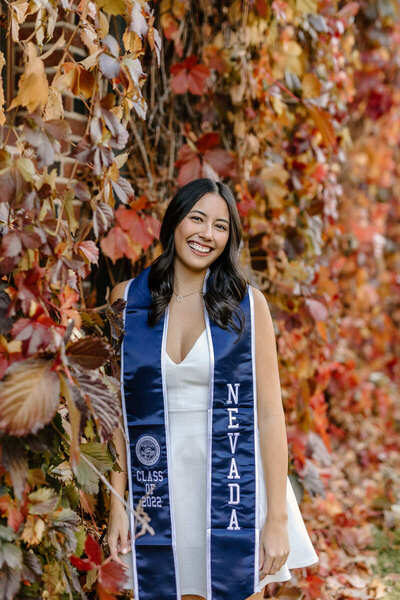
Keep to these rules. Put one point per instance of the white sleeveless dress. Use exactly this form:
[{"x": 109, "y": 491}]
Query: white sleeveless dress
[{"x": 187, "y": 397}]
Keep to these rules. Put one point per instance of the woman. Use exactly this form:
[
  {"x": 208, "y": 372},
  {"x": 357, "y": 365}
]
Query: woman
[{"x": 201, "y": 297}]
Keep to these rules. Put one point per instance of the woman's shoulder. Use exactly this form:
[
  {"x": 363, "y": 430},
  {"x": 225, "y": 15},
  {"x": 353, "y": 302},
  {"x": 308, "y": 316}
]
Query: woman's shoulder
[
  {"x": 118, "y": 290},
  {"x": 260, "y": 303}
]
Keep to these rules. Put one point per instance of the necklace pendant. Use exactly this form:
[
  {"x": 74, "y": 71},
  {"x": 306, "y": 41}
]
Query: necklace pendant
[{"x": 179, "y": 298}]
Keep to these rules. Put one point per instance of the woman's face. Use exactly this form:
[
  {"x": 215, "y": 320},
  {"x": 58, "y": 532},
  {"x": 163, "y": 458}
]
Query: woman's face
[{"x": 202, "y": 234}]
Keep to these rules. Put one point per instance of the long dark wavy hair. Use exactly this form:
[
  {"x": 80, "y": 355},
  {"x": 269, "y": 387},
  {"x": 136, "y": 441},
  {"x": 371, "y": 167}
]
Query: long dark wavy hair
[{"x": 226, "y": 285}]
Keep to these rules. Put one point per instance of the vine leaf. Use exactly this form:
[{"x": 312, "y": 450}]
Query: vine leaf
[{"x": 29, "y": 396}]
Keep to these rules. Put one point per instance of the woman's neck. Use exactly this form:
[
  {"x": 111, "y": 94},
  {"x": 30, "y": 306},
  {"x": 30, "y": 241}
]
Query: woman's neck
[{"x": 186, "y": 280}]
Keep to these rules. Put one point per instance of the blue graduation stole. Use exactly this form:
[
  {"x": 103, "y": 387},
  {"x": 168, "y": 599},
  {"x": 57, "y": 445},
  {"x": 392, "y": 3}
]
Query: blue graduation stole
[{"x": 232, "y": 496}]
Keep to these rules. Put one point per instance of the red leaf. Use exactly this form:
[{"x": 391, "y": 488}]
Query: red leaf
[
  {"x": 82, "y": 564},
  {"x": 153, "y": 225},
  {"x": 103, "y": 594},
  {"x": 133, "y": 224},
  {"x": 221, "y": 161},
  {"x": 179, "y": 81},
  {"x": 189, "y": 75},
  {"x": 12, "y": 244},
  {"x": 207, "y": 141},
  {"x": 112, "y": 575},
  {"x": 36, "y": 335},
  {"x": 189, "y": 171},
  {"x": 314, "y": 586},
  {"x": 93, "y": 550},
  {"x": 197, "y": 78},
  {"x": 115, "y": 244},
  {"x": 139, "y": 203},
  {"x": 9, "y": 508},
  {"x": 185, "y": 154}
]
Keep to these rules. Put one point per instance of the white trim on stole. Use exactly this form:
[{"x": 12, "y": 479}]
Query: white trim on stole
[
  {"x": 168, "y": 445},
  {"x": 128, "y": 454},
  {"x": 209, "y": 446},
  {"x": 256, "y": 442}
]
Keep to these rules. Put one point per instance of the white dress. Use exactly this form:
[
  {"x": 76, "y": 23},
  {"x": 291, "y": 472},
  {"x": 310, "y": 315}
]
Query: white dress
[{"x": 187, "y": 396}]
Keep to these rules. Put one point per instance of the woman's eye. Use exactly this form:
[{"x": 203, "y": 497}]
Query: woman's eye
[{"x": 196, "y": 218}]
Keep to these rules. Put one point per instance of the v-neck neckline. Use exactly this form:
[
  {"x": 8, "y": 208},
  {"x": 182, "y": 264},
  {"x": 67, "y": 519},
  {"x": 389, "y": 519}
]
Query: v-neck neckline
[{"x": 191, "y": 349}]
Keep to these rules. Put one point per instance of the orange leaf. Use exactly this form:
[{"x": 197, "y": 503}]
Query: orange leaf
[
  {"x": 323, "y": 121},
  {"x": 33, "y": 87}
]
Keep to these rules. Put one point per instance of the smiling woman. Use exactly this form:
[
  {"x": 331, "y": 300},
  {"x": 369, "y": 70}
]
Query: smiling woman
[{"x": 200, "y": 387}]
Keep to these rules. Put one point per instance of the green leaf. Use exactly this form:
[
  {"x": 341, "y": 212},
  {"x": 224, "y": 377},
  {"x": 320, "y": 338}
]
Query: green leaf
[
  {"x": 7, "y": 534},
  {"x": 80, "y": 544},
  {"x": 99, "y": 455},
  {"x": 86, "y": 477}
]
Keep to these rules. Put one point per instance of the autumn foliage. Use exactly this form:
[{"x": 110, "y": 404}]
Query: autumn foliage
[{"x": 295, "y": 104}]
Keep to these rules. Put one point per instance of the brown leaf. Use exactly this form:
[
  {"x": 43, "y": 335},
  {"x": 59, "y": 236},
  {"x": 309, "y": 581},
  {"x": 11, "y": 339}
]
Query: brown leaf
[
  {"x": 29, "y": 396},
  {"x": 14, "y": 460},
  {"x": 90, "y": 352},
  {"x": 2, "y": 115},
  {"x": 101, "y": 396}
]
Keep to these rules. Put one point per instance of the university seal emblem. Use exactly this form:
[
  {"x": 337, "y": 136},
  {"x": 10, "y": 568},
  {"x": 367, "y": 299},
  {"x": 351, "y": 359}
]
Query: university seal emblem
[{"x": 147, "y": 450}]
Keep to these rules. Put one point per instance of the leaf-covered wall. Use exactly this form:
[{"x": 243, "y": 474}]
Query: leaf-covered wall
[{"x": 106, "y": 107}]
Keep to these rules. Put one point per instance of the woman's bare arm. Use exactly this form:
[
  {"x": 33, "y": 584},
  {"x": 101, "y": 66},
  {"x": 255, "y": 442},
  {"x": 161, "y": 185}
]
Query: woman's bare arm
[
  {"x": 118, "y": 539},
  {"x": 271, "y": 417}
]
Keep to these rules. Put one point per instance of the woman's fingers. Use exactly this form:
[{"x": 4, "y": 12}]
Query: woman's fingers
[
  {"x": 272, "y": 564},
  {"x": 261, "y": 556},
  {"x": 123, "y": 539},
  {"x": 112, "y": 544},
  {"x": 115, "y": 545}
]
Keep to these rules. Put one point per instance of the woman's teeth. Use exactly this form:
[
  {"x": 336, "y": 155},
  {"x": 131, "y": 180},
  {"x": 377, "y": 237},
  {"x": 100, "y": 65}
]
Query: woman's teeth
[{"x": 199, "y": 248}]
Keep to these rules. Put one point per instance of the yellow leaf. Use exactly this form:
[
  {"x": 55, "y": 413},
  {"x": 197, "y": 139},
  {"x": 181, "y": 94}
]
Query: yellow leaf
[
  {"x": 18, "y": 12},
  {"x": 33, "y": 530},
  {"x": 133, "y": 43},
  {"x": 275, "y": 178},
  {"x": 54, "y": 108},
  {"x": 112, "y": 7},
  {"x": 26, "y": 167},
  {"x": 103, "y": 25},
  {"x": 33, "y": 87},
  {"x": 311, "y": 86},
  {"x": 70, "y": 211},
  {"x": 306, "y": 6}
]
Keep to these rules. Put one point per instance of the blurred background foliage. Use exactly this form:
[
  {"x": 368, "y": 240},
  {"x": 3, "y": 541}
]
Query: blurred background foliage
[{"x": 106, "y": 107}]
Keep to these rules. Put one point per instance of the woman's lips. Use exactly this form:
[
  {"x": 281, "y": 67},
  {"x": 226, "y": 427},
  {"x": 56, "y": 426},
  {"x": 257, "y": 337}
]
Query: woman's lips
[{"x": 199, "y": 252}]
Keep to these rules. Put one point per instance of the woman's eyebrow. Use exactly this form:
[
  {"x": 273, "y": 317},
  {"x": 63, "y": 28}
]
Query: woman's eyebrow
[{"x": 204, "y": 214}]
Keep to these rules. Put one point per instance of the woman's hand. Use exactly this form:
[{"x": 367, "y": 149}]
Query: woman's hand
[
  {"x": 274, "y": 546},
  {"x": 118, "y": 532}
]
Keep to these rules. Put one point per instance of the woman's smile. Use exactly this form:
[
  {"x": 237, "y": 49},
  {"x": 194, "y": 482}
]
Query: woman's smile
[{"x": 199, "y": 249}]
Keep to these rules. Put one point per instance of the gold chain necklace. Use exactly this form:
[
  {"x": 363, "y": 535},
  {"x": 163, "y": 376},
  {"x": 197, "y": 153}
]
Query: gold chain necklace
[{"x": 180, "y": 297}]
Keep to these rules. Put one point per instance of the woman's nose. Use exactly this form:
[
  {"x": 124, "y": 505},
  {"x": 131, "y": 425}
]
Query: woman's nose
[{"x": 206, "y": 231}]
